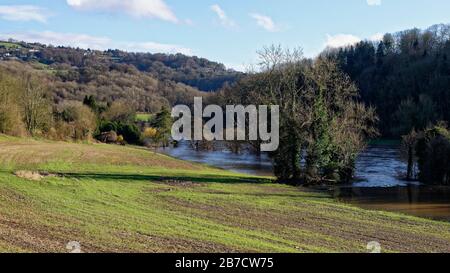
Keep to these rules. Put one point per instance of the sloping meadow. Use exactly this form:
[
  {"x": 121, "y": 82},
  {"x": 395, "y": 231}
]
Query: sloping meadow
[{"x": 126, "y": 199}]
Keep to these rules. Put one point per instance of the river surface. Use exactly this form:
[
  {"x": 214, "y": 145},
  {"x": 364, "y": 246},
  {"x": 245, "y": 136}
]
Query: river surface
[{"x": 377, "y": 184}]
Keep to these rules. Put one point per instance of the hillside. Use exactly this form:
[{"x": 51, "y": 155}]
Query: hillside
[
  {"x": 146, "y": 81},
  {"x": 196, "y": 72},
  {"x": 126, "y": 199},
  {"x": 406, "y": 76}
]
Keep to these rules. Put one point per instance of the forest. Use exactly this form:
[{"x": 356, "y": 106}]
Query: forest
[{"x": 405, "y": 76}]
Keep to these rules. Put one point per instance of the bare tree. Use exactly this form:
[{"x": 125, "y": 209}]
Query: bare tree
[{"x": 36, "y": 107}]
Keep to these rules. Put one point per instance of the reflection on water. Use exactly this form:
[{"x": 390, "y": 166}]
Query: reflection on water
[
  {"x": 379, "y": 187},
  {"x": 244, "y": 162},
  {"x": 377, "y": 184},
  {"x": 424, "y": 201}
]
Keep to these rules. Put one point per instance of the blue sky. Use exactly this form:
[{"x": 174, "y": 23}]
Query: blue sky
[{"x": 228, "y": 31}]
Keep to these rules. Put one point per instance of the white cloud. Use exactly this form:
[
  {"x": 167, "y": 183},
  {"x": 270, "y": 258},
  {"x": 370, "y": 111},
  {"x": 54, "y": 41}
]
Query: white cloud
[
  {"x": 137, "y": 8},
  {"x": 60, "y": 39},
  {"x": 23, "y": 13},
  {"x": 265, "y": 22},
  {"x": 224, "y": 19},
  {"x": 374, "y": 2},
  {"x": 341, "y": 40},
  {"x": 377, "y": 37},
  {"x": 154, "y": 48},
  {"x": 93, "y": 42}
]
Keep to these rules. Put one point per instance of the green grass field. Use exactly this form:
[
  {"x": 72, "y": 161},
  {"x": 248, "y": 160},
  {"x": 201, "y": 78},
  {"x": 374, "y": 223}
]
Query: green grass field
[
  {"x": 143, "y": 117},
  {"x": 9, "y": 45},
  {"x": 127, "y": 199}
]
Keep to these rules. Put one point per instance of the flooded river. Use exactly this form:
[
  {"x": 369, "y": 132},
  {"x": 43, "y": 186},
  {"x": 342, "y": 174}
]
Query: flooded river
[{"x": 377, "y": 185}]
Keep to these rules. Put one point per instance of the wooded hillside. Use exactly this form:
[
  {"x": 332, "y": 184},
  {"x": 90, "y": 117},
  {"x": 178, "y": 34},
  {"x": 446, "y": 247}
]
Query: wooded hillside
[
  {"x": 406, "y": 76},
  {"x": 146, "y": 80}
]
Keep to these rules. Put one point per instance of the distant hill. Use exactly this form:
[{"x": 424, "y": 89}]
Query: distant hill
[
  {"x": 147, "y": 81},
  {"x": 196, "y": 72}
]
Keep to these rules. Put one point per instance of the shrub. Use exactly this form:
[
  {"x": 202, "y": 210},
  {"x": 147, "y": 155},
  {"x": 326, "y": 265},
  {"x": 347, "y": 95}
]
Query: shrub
[
  {"x": 120, "y": 112},
  {"x": 150, "y": 136},
  {"x": 150, "y": 133},
  {"x": 107, "y": 126},
  {"x": 433, "y": 153},
  {"x": 130, "y": 133},
  {"x": 78, "y": 122},
  {"x": 120, "y": 139}
]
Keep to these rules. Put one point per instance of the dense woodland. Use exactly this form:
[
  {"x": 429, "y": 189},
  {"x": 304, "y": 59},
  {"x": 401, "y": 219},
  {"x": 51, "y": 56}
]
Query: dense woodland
[{"x": 406, "y": 77}]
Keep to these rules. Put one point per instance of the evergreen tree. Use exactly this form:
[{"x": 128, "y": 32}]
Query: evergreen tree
[{"x": 163, "y": 123}]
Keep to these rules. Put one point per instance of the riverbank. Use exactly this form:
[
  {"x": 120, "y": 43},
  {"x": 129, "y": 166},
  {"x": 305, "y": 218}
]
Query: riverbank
[
  {"x": 125, "y": 199},
  {"x": 378, "y": 184}
]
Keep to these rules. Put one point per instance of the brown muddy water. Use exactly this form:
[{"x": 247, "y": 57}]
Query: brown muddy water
[{"x": 377, "y": 185}]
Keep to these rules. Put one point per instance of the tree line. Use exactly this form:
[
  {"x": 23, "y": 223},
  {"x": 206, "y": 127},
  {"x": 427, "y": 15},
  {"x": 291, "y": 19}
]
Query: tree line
[
  {"x": 405, "y": 76},
  {"x": 195, "y": 72}
]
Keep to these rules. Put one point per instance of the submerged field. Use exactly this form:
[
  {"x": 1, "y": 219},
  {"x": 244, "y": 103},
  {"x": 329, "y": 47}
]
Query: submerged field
[{"x": 126, "y": 199}]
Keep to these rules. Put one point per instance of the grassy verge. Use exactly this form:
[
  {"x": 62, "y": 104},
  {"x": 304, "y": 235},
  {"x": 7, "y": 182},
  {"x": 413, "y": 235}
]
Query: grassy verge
[{"x": 126, "y": 199}]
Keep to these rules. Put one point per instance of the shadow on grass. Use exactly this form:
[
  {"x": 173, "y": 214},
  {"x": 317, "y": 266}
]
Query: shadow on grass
[
  {"x": 169, "y": 179},
  {"x": 269, "y": 194},
  {"x": 130, "y": 178}
]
